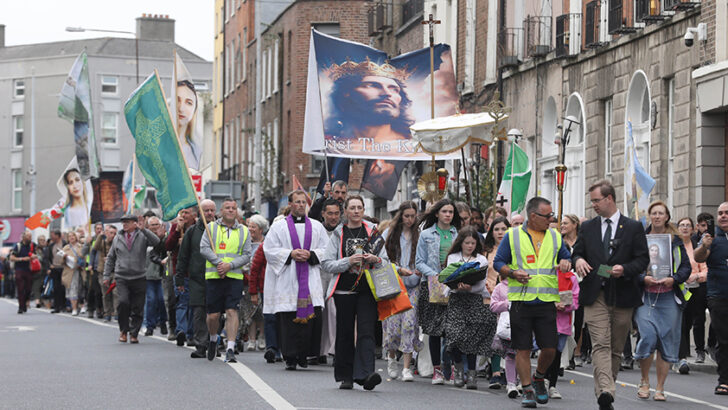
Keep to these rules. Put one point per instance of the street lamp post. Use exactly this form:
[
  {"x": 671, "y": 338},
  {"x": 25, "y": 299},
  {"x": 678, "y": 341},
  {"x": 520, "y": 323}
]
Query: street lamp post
[
  {"x": 136, "y": 41},
  {"x": 563, "y": 141}
]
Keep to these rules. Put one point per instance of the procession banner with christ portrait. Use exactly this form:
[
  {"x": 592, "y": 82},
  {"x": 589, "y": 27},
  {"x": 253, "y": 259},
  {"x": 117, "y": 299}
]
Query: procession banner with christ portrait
[{"x": 360, "y": 103}]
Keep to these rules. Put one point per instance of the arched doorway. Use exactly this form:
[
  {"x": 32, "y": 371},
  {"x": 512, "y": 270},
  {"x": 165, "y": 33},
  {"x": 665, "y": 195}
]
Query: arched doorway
[
  {"x": 549, "y": 151},
  {"x": 637, "y": 114},
  {"x": 575, "y": 176}
]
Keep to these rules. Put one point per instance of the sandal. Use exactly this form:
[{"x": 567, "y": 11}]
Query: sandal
[
  {"x": 721, "y": 389},
  {"x": 659, "y": 395},
  {"x": 644, "y": 391}
]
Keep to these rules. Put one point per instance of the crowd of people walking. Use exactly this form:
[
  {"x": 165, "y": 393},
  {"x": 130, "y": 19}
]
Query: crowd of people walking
[{"x": 605, "y": 291}]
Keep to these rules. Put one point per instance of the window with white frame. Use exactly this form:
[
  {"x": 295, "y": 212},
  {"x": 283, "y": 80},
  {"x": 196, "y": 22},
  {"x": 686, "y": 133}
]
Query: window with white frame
[
  {"x": 227, "y": 69},
  {"x": 670, "y": 141},
  {"x": 264, "y": 73},
  {"x": 269, "y": 76},
  {"x": 243, "y": 51},
  {"x": 317, "y": 164},
  {"x": 608, "y": 137},
  {"x": 274, "y": 162},
  {"x": 109, "y": 85},
  {"x": 251, "y": 151},
  {"x": 276, "y": 46},
  {"x": 109, "y": 127},
  {"x": 18, "y": 131},
  {"x": 19, "y": 89},
  {"x": 239, "y": 61},
  {"x": 17, "y": 196}
]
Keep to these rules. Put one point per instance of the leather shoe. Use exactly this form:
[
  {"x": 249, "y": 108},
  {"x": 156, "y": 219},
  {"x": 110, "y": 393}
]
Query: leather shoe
[
  {"x": 149, "y": 331},
  {"x": 290, "y": 365},
  {"x": 346, "y": 385},
  {"x": 163, "y": 328},
  {"x": 270, "y": 356},
  {"x": 199, "y": 353},
  {"x": 370, "y": 381},
  {"x": 122, "y": 337},
  {"x": 605, "y": 401},
  {"x": 133, "y": 340},
  {"x": 181, "y": 339}
]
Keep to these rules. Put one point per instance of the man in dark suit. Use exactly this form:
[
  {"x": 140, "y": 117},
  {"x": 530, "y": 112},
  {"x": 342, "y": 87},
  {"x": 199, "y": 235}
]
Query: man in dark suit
[{"x": 610, "y": 253}]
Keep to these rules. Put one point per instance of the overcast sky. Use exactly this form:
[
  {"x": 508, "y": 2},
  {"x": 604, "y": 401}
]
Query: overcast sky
[{"x": 39, "y": 21}]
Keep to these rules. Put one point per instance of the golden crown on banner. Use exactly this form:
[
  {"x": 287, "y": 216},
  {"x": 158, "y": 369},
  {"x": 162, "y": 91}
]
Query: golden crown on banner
[{"x": 365, "y": 68}]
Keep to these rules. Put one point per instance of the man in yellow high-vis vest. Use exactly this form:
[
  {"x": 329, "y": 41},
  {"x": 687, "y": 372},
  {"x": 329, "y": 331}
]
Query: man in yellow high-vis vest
[
  {"x": 229, "y": 251},
  {"x": 528, "y": 256}
]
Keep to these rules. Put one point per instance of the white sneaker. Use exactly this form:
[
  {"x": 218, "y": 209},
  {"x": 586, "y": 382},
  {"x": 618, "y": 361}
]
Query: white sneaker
[
  {"x": 251, "y": 346},
  {"x": 261, "y": 344},
  {"x": 83, "y": 309},
  {"x": 392, "y": 368},
  {"x": 553, "y": 393},
  {"x": 407, "y": 375},
  {"x": 512, "y": 390},
  {"x": 438, "y": 377},
  {"x": 74, "y": 313}
]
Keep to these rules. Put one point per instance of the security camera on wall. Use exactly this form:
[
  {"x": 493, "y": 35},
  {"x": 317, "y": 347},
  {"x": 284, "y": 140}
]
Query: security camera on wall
[{"x": 701, "y": 30}]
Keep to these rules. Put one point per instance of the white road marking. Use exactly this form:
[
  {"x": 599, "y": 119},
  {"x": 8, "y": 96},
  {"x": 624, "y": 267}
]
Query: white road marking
[
  {"x": 263, "y": 389},
  {"x": 667, "y": 393}
]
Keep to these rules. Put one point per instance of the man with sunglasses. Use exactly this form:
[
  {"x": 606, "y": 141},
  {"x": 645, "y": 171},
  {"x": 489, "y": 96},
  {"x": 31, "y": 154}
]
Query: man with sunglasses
[
  {"x": 529, "y": 256},
  {"x": 610, "y": 252}
]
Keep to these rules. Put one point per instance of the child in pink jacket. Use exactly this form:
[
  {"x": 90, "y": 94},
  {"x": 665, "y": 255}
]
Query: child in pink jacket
[
  {"x": 567, "y": 282},
  {"x": 499, "y": 305}
]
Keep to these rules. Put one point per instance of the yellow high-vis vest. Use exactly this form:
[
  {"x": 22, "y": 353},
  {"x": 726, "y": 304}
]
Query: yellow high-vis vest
[
  {"x": 544, "y": 282},
  {"x": 676, "y": 260},
  {"x": 227, "y": 247}
]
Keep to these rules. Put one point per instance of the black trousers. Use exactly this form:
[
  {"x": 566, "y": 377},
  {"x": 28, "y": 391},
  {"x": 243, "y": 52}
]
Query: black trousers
[
  {"x": 552, "y": 373},
  {"x": 199, "y": 325},
  {"x": 94, "y": 296},
  {"x": 59, "y": 291},
  {"x": 694, "y": 318},
  {"x": 318, "y": 327},
  {"x": 718, "y": 312},
  {"x": 132, "y": 295},
  {"x": 295, "y": 337},
  {"x": 355, "y": 362}
]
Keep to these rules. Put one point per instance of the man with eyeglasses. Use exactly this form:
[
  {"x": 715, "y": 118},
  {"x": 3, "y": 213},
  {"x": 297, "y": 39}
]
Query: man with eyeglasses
[
  {"x": 529, "y": 256},
  {"x": 609, "y": 253}
]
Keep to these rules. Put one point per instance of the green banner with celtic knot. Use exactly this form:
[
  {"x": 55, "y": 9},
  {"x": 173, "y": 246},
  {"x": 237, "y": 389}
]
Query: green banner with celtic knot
[{"x": 157, "y": 150}]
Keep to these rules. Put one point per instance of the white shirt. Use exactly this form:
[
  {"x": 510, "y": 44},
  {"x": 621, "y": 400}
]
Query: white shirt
[{"x": 615, "y": 220}]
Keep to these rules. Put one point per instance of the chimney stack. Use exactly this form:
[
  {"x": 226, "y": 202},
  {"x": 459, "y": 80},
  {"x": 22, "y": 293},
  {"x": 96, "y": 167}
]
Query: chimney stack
[{"x": 155, "y": 27}]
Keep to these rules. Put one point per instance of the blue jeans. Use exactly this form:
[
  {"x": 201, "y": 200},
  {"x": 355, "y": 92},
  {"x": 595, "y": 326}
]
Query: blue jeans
[
  {"x": 154, "y": 310},
  {"x": 271, "y": 333},
  {"x": 183, "y": 311}
]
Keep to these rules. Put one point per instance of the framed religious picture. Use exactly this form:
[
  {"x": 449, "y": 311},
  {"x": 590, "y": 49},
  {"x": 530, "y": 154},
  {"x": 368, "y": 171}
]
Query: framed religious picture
[{"x": 660, "y": 250}]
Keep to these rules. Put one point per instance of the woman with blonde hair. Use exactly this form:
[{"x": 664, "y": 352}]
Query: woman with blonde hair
[{"x": 71, "y": 277}]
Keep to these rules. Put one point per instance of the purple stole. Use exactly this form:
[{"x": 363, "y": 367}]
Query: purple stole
[{"x": 304, "y": 305}]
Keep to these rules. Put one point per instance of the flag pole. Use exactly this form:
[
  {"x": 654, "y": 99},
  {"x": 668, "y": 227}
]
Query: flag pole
[
  {"x": 130, "y": 205},
  {"x": 187, "y": 168}
]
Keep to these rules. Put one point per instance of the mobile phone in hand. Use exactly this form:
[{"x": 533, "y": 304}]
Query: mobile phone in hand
[{"x": 711, "y": 227}]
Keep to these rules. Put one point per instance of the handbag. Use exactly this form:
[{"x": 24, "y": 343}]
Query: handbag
[
  {"x": 34, "y": 263},
  {"x": 437, "y": 291},
  {"x": 397, "y": 304},
  {"x": 503, "y": 330},
  {"x": 384, "y": 282}
]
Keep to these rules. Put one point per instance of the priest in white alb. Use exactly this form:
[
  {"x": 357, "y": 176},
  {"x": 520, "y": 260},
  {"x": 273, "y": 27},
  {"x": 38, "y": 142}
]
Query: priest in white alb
[{"x": 292, "y": 291}]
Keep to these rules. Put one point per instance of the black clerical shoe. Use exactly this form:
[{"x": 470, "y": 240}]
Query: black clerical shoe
[
  {"x": 346, "y": 385},
  {"x": 290, "y": 365},
  {"x": 211, "y": 350},
  {"x": 181, "y": 338},
  {"x": 302, "y": 363},
  {"x": 605, "y": 401},
  {"x": 370, "y": 381},
  {"x": 199, "y": 352},
  {"x": 270, "y": 356}
]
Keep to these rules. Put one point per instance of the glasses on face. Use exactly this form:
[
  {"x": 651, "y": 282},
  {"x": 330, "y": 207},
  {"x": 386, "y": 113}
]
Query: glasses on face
[
  {"x": 547, "y": 216},
  {"x": 597, "y": 200}
]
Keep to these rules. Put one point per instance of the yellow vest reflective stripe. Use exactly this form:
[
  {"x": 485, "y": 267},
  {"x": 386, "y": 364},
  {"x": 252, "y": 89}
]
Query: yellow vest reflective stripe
[
  {"x": 676, "y": 260},
  {"x": 544, "y": 282},
  {"x": 232, "y": 249}
]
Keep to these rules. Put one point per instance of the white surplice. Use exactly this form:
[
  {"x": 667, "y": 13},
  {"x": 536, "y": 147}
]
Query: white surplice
[{"x": 280, "y": 291}]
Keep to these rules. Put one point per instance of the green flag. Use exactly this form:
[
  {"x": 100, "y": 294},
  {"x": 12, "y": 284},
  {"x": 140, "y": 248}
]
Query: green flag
[
  {"x": 157, "y": 150},
  {"x": 516, "y": 178}
]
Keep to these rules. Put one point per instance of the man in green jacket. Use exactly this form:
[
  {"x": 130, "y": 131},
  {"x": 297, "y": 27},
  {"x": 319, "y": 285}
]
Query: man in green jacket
[{"x": 190, "y": 276}]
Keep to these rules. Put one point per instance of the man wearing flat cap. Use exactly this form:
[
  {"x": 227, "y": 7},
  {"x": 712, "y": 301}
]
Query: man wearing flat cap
[{"x": 127, "y": 262}]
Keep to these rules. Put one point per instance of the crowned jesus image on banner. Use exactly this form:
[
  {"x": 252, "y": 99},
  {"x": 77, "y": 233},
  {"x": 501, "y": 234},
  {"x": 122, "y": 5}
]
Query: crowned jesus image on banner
[{"x": 360, "y": 103}]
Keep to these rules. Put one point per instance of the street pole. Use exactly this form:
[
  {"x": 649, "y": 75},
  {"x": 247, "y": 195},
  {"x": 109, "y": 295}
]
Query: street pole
[
  {"x": 32, "y": 170},
  {"x": 560, "y": 169},
  {"x": 257, "y": 171}
]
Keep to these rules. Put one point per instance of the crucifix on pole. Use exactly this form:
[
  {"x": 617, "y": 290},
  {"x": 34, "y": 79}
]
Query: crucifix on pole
[{"x": 431, "y": 25}]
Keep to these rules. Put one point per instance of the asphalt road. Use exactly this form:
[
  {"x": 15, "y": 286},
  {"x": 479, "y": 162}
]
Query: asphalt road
[{"x": 60, "y": 361}]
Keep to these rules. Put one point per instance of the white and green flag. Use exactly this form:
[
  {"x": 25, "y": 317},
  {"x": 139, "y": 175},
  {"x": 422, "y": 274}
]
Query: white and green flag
[{"x": 516, "y": 178}]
